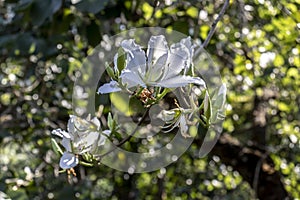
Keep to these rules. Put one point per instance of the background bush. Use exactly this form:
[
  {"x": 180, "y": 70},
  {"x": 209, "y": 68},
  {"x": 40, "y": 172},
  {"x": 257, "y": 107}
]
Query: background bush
[{"x": 256, "y": 45}]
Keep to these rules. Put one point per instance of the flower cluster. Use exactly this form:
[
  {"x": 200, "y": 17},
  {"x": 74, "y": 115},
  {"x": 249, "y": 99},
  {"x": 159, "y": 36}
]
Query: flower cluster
[
  {"x": 147, "y": 76},
  {"x": 83, "y": 136},
  {"x": 160, "y": 66}
]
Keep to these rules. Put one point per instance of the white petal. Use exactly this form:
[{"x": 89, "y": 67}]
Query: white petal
[
  {"x": 60, "y": 133},
  {"x": 68, "y": 160},
  {"x": 81, "y": 125},
  {"x": 183, "y": 126},
  {"x": 188, "y": 45},
  {"x": 96, "y": 122},
  {"x": 116, "y": 62},
  {"x": 103, "y": 138},
  {"x": 157, "y": 54},
  {"x": 187, "y": 42},
  {"x": 179, "y": 81},
  {"x": 167, "y": 115},
  {"x": 71, "y": 126},
  {"x": 157, "y": 47},
  {"x": 138, "y": 68},
  {"x": 109, "y": 87},
  {"x": 66, "y": 142},
  {"x": 156, "y": 71},
  {"x": 177, "y": 61},
  {"x": 88, "y": 142},
  {"x": 131, "y": 78},
  {"x": 136, "y": 58},
  {"x": 106, "y": 132}
]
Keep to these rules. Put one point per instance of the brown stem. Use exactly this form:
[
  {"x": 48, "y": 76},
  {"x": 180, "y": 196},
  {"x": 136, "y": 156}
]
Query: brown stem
[
  {"x": 213, "y": 27},
  {"x": 129, "y": 136}
]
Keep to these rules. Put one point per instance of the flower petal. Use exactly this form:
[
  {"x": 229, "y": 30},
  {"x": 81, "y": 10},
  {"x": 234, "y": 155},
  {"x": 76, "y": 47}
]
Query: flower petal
[
  {"x": 167, "y": 115},
  {"x": 95, "y": 121},
  {"x": 183, "y": 126},
  {"x": 116, "y": 62},
  {"x": 156, "y": 71},
  {"x": 136, "y": 58},
  {"x": 187, "y": 42},
  {"x": 68, "y": 160},
  {"x": 103, "y": 138},
  {"x": 71, "y": 124},
  {"x": 87, "y": 143},
  {"x": 131, "y": 78},
  {"x": 157, "y": 47},
  {"x": 179, "y": 81},
  {"x": 157, "y": 54},
  {"x": 60, "y": 133},
  {"x": 177, "y": 60},
  {"x": 112, "y": 86},
  {"x": 66, "y": 142},
  {"x": 188, "y": 45}
]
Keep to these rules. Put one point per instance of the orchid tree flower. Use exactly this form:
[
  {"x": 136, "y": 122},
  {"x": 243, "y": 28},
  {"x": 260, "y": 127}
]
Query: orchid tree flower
[
  {"x": 159, "y": 66},
  {"x": 208, "y": 112},
  {"x": 177, "y": 117},
  {"x": 183, "y": 116},
  {"x": 82, "y": 136}
]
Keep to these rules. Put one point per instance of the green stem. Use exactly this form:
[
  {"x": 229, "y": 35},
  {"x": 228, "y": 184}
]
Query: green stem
[
  {"x": 86, "y": 164},
  {"x": 161, "y": 95},
  {"x": 204, "y": 125}
]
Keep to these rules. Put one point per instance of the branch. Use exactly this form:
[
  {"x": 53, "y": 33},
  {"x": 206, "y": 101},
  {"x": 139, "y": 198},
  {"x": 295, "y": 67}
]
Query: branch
[
  {"x": 129, "y": 136},
  {"x": 213, "y": 27},
  {"x": 257, "y": 172}
]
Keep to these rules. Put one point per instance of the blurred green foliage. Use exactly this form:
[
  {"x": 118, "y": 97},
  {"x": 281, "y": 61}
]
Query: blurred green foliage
[{"x": 43, "y": 44}]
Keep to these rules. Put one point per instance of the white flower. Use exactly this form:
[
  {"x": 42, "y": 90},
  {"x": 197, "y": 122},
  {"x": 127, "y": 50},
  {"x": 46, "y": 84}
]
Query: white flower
[
  {"x": 83, "y": 136},
  {"x": 158, "y": 67},
  {"x": 177, "y": 117}
]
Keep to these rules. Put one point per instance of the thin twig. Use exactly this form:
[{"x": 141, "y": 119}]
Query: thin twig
[
  {"x": 257, "y": 171},
  {"x": 213, "y": 27},
  {"x": 129, "y": 136}
]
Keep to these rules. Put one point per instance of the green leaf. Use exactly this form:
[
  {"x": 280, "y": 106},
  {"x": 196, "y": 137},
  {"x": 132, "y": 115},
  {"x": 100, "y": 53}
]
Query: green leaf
[
  {"x": 43, "y": 9},
  {"x": 56, "y": 147},
  {"x": 111, "y": 123},
  {"x": 19, "y": 194},
  {"x": 91, "y": 6},
  {"x": 121, "y": 59},
  {"x": 221, "y": 97},
  {"x": 109, "y": 70},
  {"x": 136, "y": 106},
  {"x": 207, "y": 107},
  {"x": 121, "y": 102}
]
